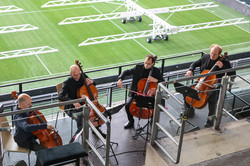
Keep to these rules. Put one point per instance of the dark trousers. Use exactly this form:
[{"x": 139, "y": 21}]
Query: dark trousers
[
  {"x": 212, "y": 102},
  {"x": 127, "y": 105},
  {"x": 33, "y": 145},
  {"x": 70, "y": 110}
]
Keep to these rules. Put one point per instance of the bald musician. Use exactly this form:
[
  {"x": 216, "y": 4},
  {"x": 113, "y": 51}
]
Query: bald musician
[
  {"x": 23, "y": 130},
  {"x": 69, "y": 92}
]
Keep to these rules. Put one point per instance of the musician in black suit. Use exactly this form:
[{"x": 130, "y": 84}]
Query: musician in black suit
[
  {"x": 69, "y": 92},
  {"x": 206, "y": 62},
  {"x": 138, "y": 72}
]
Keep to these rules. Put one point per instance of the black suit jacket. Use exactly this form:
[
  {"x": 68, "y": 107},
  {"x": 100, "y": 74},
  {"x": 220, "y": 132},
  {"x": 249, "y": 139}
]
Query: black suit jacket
[
  {"x": 139, "y": 72},
  {"x": 205, "y": 63},
  {"x": 69, "y": 88}
]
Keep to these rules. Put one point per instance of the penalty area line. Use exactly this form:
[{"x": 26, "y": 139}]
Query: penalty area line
[{"x": 43, "y": 64}]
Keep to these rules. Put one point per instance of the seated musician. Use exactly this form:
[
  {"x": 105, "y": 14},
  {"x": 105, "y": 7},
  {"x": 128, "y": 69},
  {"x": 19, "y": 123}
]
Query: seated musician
[
  {"x": 139, "y": 71},
  {"x": 69, "y": 92},
  {"x": 206, "y": 62},
  {"x": 23, "y": 130}
]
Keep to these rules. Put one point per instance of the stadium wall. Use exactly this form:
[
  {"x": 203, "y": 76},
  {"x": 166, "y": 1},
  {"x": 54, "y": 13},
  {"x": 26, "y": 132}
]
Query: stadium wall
[{"x": 237, "y": 5}]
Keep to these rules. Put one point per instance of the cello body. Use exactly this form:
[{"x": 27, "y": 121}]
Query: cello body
[
  {"x": 91, "y": 92},
  {"x": 92, "y": 115},
  {"x": 203, "y": 86},
  {"x": 142, "y": 112},
  {"x": 47, "y": 138}
]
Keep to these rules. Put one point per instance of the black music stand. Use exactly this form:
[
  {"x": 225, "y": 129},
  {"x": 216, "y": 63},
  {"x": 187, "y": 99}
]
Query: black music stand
[
  {"x": 146, "y": 102},
  {"x": 187, "y": 91}
]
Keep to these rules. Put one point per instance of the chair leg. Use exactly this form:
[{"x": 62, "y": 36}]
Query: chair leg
[
  {"x": 71, "y": 127},
  {"x": 29, "y": 159}
]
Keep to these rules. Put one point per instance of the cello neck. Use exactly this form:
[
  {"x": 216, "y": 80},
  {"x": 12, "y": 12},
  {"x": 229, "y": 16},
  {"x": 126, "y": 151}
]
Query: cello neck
[
  {"x": 147, "y": 83},
  {"x": 212, "y": 69},
  {"x": 88, "y": 89},
  {"x": 39, "y": 117}
]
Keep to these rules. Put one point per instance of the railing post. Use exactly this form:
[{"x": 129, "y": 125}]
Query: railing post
[
  {"x": 156, "y": 116},
  {"x": 107, "y": 144},
  {"x": 109, "y": 97},
  {"x": 20, "y": 88},
  {"x": 1, "y": 153},
  {"x": 221, "y": 100},
  {"x": 126, "y": 93},
  {"x": 162, "y": 66},
  {"x": 85, "y": 133}
]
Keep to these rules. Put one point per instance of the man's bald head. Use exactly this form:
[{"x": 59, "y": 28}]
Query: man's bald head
[
  {"x": 75, "y": 72},
  {"x": 24, "y": 101}
]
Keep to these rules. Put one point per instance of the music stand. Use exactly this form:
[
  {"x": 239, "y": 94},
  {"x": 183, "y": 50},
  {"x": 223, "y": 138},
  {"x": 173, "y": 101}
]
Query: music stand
[
  {"x": 145, "y": 102},
  {"x": 187, "y": 91}
]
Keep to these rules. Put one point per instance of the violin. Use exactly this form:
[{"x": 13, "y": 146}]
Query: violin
[
  {"x": 47, "y": 137},
  {"x": 91, "y": 92},
  {"x": 147, "y": 89},
  {"x": 203, "y": 86}
]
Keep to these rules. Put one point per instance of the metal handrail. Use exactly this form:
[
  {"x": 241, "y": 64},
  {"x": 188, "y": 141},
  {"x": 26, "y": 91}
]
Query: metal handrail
[
  {"x": 157, "y": 126},
  {"x": 208, "y": 74},
  {"x": 86, "y": 120},
  {"x": 97, "y": 70},
  {"x": 158, "y": 107}
]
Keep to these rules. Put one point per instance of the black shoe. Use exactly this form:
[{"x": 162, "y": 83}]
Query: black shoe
[
  {"x": 208, "y": 124},
  {"x": 129, "y": 125}
]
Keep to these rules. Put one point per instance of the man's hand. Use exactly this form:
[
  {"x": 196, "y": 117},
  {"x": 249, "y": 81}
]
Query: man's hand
[
  {"x": 77, "y": 105},
  {"x": 119, "y": 83},
  {"x": 219, "y": 64},
  {"x": 152, "y": 79},
  {"x": 189, "y": 73},
  {"x": 88, "y": 81},
  {"x": 50, "y": 126}
]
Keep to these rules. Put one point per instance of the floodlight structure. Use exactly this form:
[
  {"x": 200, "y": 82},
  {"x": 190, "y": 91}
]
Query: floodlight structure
[
  {"x": 161, "y": 29},
  {"x": 17, "y": 28},
  {"x": 134, "y": 14},
  {"x": 27, "y": 52},
  {"x": 11, "y": 8},
  {"x": 56, "y": 3}
]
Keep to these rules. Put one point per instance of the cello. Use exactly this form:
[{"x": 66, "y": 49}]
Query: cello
[
  {"x": 147, "y": 89},
  {"x": 91, "y": 92},
  {"x": 47, "y": 137},
  {"x": 203, "y": 86}
]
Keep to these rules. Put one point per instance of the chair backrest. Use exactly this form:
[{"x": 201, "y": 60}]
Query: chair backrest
[
  {"x": 58, "y": 88},
  {"x": 8, "y": 142}
]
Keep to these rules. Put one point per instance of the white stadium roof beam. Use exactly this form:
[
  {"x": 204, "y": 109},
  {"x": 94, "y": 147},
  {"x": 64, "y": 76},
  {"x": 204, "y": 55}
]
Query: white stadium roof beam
[
  {"x": 11, "y": 8},
  {"x": 27, "y": 52},
  {"x": 101, "y": 17},
  {"x": 71, "y": 2},
  {"x": 119, "y": 37},
  {"x": 213, "y": 24},
  {"x": 133, "y": 35},
  {"x": 17, "y": 28},
  {"x": 91, "y": 18},
  {"x": 183, "y": 8}
]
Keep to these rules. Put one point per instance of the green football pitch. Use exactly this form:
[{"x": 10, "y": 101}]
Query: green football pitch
[{"x": 66, "y": 38}]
